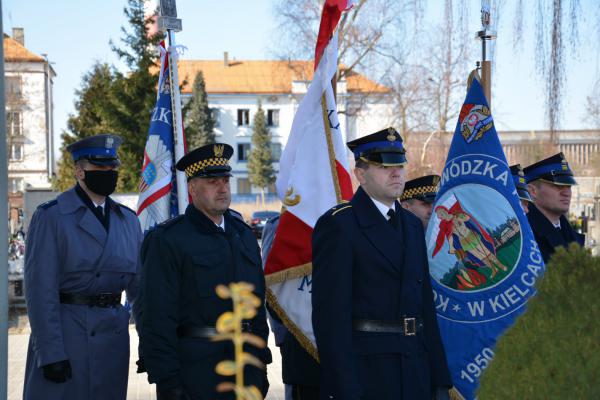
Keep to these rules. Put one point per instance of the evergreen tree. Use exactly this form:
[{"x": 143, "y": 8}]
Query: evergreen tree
[
  {"x": 118, "y": 102},
  {"x": 91, "y": 118},
  {"x": 260, "y": 160},
  {"x": 134, "y": 93},
  {"x": 199, "y": 124}
]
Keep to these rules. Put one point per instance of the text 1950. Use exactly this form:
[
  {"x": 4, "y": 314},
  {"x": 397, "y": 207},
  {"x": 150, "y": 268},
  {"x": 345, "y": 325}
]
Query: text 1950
[{"x": 475, "y": 368}]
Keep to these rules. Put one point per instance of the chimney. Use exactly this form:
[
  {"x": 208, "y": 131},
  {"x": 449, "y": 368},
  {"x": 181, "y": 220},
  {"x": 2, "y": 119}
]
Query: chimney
[
  {"x": 19, "y": 35},
  {"x": 226, "y": 59}
]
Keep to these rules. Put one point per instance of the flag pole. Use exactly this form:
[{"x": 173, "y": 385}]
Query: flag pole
[
  {"x": 169, "y": 23},
  {"x": 486, "y": 35}
]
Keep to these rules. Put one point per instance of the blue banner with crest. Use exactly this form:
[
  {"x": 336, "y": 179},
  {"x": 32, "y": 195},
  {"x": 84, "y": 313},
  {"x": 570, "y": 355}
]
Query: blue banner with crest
[{"x": 483, "y": 258}]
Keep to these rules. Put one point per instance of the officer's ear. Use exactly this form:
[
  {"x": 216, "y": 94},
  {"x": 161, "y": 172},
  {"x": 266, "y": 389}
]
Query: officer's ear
[
  {"x": 359, "y": 173},
  {"x": 533, "y": 188},
  {"x": 79, "y": 169}
]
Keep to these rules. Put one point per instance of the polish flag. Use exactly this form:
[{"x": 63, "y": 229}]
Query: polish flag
[{"x": 313, "y": 177}]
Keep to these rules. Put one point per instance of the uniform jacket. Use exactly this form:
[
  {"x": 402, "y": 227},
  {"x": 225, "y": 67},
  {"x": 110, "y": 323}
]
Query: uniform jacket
[
  {"x": 547, "y": 236},
  {"x": 363, "y": 268},
  {"x": 69, "y": 251},
  {"x": 184, "y": 260}
]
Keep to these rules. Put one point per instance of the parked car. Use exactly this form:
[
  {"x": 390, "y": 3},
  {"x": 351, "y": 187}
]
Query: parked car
[{"x": 259, "y": 219}]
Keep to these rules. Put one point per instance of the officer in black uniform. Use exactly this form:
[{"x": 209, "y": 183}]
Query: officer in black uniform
[
  {"x": 522, "y": 190},
  {"x": 549, "y": 183},
  {"x": 419, "y": 195},
  {"x": 373, "y": 313},
  {"x": 183, "y": 260}
]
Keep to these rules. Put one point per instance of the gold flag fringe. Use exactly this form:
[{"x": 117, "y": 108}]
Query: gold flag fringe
[
  {"x": 291, "y": 326},
  {"x": 455, "y": 394},
  {"x": 288, "y": 274}
]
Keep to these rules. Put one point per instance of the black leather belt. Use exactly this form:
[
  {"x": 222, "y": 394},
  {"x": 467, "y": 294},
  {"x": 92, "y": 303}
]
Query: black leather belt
[
  {"x": 205, "y": 331},
  {"x": 405, "y": 326},
  {"x": 103, "y": 300}
]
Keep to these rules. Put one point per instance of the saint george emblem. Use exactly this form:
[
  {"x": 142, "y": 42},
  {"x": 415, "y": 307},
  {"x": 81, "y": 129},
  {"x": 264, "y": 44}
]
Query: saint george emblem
[{"x": 218, "y": 150}]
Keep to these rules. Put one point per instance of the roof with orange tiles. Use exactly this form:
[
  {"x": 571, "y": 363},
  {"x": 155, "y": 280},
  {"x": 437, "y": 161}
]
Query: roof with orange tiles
[
  {"x": 15, "y": 51},
  {"x": 261, "y": 76}
]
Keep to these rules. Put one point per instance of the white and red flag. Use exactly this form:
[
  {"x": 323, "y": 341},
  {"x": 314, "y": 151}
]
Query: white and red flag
[{"x": 313, "y": 177}]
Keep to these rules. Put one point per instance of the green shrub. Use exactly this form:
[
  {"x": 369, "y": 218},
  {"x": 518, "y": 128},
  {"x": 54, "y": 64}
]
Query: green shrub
[{"x": 553, "y": 350}]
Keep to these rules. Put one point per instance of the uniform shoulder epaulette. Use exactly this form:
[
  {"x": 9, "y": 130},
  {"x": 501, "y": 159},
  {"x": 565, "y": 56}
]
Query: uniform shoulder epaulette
[
  {"x": 123, "y": 206},
  {"x": 238, "y": 216},
  {"x": 48, "y": 204},
  {"x": 340, "y": 207},
  {"x": 170, "y": 222}
]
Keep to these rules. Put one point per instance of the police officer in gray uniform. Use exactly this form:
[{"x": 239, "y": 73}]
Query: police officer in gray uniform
[{"x": 82, "y": 253}]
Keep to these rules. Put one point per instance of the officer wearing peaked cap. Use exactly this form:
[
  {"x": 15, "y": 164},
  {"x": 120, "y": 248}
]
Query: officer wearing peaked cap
[
  {"x": 549, "y": 182},
  {"x": 419, "y": 195},
  {"x": 373, "y": 313},
  {"x": 521, "y": 185},
  {"x": 184, "y": 259},
  {"x": 82, "y": 253}
]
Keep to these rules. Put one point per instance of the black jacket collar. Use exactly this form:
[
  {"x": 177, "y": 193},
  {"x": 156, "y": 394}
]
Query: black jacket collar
[
  {"x": 199, "y": 219},
  {"x": 368, "y": 214}
]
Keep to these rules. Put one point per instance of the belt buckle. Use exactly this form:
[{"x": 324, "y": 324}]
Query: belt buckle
[
  {"x": 104, "y": 300},
  {"x": 410, "y": 326}
]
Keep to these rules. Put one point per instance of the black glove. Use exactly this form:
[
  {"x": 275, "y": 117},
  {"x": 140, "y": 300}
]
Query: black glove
[
  {"x": 441, "y": 393},
  {"x": 177, "y": 393},
  {"x": 141, "y": 367},
  {"x": 57, "y": 372}
]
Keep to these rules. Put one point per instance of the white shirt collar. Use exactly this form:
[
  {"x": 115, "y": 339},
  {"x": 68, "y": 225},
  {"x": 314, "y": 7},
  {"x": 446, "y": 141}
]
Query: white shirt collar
[
  {"x": 101, "y": 205},
  {"x": 557, "y": 225},
  {"x": 222, "y": 224},
  {"x": 383, "y": 209}
]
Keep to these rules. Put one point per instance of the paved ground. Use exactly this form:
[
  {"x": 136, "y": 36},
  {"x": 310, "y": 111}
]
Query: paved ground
[{"x": 139, "y": 388}]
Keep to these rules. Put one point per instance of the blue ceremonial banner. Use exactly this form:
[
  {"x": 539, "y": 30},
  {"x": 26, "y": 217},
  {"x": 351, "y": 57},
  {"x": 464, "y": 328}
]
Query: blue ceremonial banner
[
  {"x": 157, "y": 200},
  {"x": 483, "y": 258}
]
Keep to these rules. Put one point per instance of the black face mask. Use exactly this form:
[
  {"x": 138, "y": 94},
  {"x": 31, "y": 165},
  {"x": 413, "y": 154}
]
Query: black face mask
[{"x": 102, "y": 183}]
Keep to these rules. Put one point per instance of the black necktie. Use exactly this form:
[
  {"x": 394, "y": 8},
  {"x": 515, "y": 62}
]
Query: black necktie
[
  {"x": 393, "y": 217},
  {"x": 100, "y": 212}
]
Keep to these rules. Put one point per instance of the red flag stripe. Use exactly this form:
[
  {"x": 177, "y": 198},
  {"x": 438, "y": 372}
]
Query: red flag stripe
[
  {"x": 332, "y": 10},
  {"x": 155, "y": 196},
  {"x": 292, "y": 245}
]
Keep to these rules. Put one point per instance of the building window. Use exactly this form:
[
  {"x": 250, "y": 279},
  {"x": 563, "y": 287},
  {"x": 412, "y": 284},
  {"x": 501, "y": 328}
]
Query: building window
[
  {"x": 243, "y": 186},
  {"x": 276, "y": 151},
  {"x": 243, "y": 151},
  {"x": 243, "y": 117},
  {"x": 273, "y": 117},
  {"x": 16, "y": 152},
  {"x": 215, "y": 114},
  {"x": 15, "y": 185},
  {"x": 13, "y": 123},
  {"x": 13, "y": 88}
]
